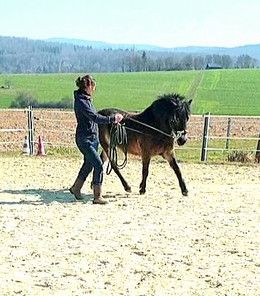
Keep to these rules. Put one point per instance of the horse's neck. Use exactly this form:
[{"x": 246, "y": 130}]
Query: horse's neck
[{"x": 144, "y": 116}]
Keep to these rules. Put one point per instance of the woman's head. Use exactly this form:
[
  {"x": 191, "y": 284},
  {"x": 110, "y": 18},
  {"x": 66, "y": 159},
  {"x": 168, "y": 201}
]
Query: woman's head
[{"x": 86, "y": 83}]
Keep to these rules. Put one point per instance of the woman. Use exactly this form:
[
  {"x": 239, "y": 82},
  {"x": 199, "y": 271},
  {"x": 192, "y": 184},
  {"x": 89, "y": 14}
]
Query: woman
[{"x": 87, "y": 137}]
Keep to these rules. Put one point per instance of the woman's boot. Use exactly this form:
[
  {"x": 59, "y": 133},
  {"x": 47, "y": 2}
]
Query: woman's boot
[
  {"x": 98, "y": 199},
  {"x": 76, "y": 188}
]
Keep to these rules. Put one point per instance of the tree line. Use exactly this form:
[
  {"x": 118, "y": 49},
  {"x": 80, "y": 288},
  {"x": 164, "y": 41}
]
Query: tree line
[{"x": 22, "y": 55}]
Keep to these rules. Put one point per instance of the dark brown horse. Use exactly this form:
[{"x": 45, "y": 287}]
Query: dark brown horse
[{"x": 151, "y": 132}]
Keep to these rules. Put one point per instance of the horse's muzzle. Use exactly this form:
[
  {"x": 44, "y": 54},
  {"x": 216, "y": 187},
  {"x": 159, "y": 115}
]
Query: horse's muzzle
[{"x": 182, "y": 139}]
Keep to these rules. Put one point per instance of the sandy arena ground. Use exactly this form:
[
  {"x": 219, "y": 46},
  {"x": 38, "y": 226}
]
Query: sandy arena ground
[{"x": 157, "y": 244}]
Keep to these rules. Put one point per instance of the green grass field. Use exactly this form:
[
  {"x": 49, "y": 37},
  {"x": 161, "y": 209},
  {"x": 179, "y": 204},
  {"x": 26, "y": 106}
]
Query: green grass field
[{"x": 224, "y": 92}]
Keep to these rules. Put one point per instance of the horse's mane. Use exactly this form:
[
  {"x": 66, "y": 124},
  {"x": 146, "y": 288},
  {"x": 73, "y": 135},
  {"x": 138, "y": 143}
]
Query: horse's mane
[
  {"x": 181, "y": 104},
  {"x": 172, "y": 96},
  {"x": 166, "y": 106},
  {"x": 171, "y": 102}
]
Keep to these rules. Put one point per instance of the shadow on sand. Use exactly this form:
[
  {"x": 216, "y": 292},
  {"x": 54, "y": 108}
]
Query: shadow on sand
[
  {"x": 46, "y": 196},
  {"x": 41, "y": 196}
]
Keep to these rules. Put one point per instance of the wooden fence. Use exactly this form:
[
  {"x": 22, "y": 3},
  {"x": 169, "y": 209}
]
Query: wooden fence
[{"x": 207, "y": 133}]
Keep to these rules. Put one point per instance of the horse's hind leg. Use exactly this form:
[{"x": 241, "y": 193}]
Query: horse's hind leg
[
  {"x": 123, "y": 181},
  {"x": 145, "y": 171},
  {"x": 174, "y": 165},
  {"x": 104, "y": 141},
  {"x": 104, "y": 156}
]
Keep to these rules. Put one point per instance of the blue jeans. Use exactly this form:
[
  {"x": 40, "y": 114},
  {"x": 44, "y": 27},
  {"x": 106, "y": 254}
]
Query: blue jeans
[{"x": 92, "y": 160}]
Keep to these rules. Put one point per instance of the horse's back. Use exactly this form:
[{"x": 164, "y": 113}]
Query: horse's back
[{"x": 111, "y": 111}]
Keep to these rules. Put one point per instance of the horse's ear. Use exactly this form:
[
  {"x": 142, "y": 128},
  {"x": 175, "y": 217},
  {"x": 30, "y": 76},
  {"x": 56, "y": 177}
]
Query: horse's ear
[{"x": 189, "y": 102}]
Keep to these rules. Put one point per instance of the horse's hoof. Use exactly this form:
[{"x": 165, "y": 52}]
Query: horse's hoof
[
  {"x": 142, "y": 191},
  {"x": 128, "y": 189},
  {"x": 185, "y": 193}
]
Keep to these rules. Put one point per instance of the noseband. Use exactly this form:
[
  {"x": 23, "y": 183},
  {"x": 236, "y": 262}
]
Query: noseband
[
  {"x": 175, "y": 133},
  {"x": 179, "y": 134}
]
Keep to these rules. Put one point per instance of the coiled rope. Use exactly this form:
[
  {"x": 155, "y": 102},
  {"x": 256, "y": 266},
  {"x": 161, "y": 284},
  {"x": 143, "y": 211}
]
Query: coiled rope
[{"x": 118, "y": 136}]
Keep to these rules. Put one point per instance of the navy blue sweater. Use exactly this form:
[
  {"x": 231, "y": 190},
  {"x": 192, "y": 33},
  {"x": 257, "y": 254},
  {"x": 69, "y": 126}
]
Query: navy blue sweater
[{"x": 87, "y": 117}]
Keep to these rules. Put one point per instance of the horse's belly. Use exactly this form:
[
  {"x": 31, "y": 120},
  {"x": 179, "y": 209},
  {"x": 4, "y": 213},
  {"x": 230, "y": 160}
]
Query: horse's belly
[{"x": 134, "y": 148}]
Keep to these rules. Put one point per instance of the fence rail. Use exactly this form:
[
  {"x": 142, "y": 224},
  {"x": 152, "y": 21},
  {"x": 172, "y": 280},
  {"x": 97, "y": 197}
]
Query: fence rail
[
  {"x": 243, "y": 120},
  {"x": 210, "y": 133}
]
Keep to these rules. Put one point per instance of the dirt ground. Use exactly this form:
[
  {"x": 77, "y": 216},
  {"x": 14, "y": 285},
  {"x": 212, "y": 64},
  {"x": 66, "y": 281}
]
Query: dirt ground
[{"x": 156, "y": 244}]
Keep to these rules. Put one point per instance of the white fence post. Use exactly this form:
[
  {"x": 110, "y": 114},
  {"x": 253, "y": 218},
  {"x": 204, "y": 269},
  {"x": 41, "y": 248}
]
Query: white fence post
[
  {"x": 205, "y": 138},
  {"x": 30, "y": 129}
]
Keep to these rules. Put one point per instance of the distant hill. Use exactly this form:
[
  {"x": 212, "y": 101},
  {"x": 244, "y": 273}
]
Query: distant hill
[
  {"x": 251, "y": 50},
  {"x": 61, "y": 55},
  {"x": 106, "y": 45}
]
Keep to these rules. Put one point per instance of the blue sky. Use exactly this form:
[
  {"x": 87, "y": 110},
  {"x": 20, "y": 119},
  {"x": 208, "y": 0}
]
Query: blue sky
[{"x": 165, "y": 23}]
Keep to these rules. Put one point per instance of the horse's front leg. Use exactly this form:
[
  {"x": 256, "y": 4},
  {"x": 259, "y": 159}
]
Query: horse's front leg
[
  {"x": 145, "y": 171},
  {"x": 174, "y": 165}
]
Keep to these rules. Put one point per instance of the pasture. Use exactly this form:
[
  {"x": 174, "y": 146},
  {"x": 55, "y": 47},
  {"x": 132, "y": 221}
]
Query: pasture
[
  {"x": 156, "y": 244},
  {"x": 225, "y": 92}
]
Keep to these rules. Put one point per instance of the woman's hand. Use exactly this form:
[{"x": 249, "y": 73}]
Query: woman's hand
[{"x": 118, "y": 117}]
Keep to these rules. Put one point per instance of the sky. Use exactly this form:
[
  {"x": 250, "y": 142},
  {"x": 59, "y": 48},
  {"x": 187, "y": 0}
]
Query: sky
[{"x": 166, "y": 23}]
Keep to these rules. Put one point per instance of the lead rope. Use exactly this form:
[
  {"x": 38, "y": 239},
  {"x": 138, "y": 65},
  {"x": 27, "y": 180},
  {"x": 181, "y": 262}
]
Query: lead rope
[
  {"x": 172, "y": 136},
  {"x": 118, "y": 136}
]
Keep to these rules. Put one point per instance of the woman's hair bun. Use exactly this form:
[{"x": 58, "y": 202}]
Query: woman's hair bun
[
  {"x": 85, "y": 81},
  {"x": 78, "y": 82}
]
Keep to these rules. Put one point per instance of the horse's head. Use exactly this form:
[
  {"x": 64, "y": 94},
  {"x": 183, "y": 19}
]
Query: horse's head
[
  {"x": 175, "y": 112},
  {"x": 179, "y": 118},
  {"x": 170, "y": 113}
]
